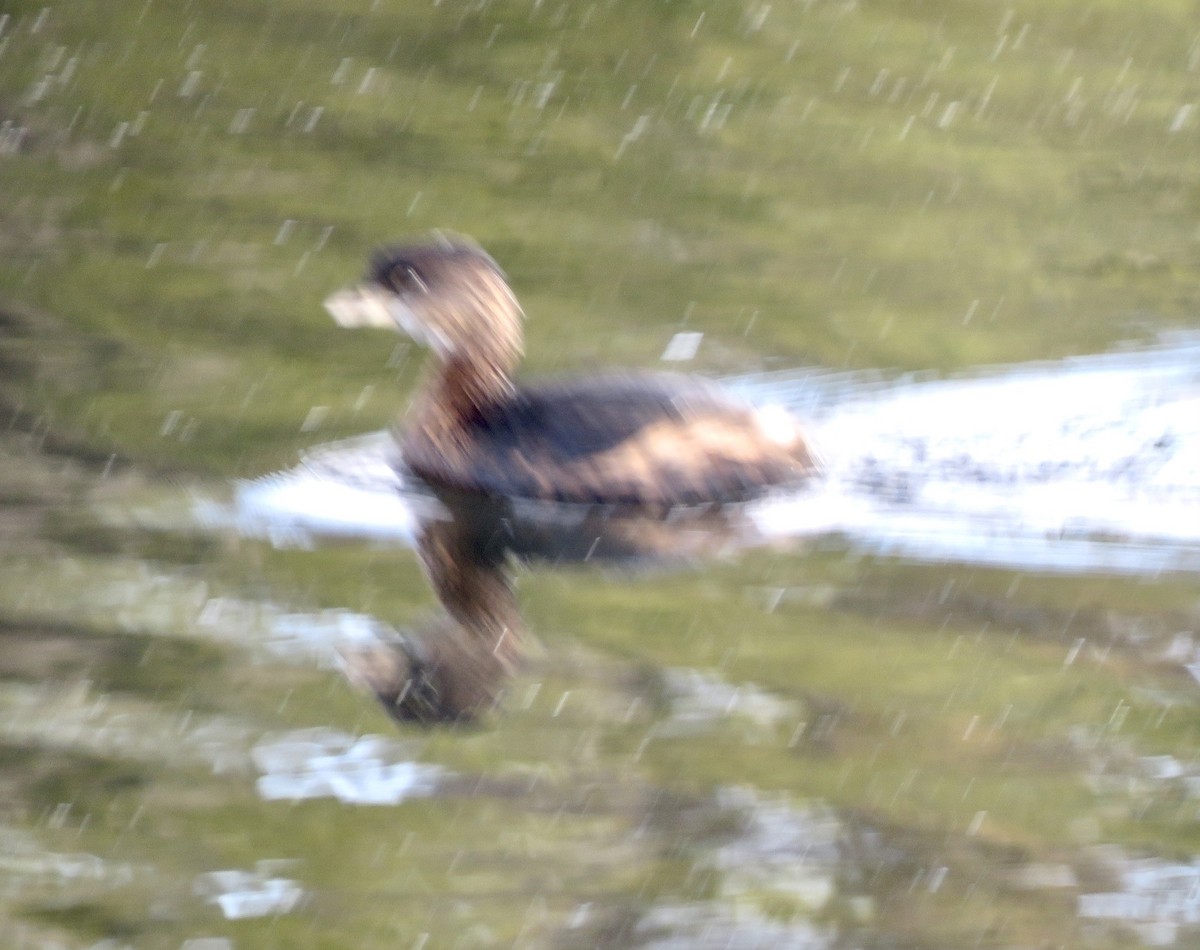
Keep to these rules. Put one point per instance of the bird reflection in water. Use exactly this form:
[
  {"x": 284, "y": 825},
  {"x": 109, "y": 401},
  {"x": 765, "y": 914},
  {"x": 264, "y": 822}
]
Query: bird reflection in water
[
  {"x": 457, "y": 666},
  {"x": 616, "y": 467}
]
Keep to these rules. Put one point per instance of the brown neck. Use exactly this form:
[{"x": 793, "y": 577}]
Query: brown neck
[
  {"x": 463, "y": 386},
  {"x": 482, "y": 325},
  {"x": 461, "y": 389}
]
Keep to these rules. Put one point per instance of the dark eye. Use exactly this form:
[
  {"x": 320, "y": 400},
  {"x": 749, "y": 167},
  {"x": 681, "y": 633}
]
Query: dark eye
[
  {"x": 397, "y": 271},
  {"x": 404, "y": 278}
]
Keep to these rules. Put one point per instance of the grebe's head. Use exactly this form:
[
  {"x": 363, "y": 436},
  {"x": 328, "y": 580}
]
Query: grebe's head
[{"x": 448, "y": 295}]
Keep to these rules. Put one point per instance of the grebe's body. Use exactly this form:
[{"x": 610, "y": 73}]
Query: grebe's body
[
  {"x": 642, "y": 441},
  {"x": 648, "y": 442},
  {"x": 644, "y": 444}
]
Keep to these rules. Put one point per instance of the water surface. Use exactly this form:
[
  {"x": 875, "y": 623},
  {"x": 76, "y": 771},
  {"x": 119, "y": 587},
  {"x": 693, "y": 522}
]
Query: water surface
[{"x": 946, "y": 697}]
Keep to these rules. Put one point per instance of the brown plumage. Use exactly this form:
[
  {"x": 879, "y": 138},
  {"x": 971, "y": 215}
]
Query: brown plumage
[
  {"x": 637, "y": 444},
  {"x": 650, "y": 441}
]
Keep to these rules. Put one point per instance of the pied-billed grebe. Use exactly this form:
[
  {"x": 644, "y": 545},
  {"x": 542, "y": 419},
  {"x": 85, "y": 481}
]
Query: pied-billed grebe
[{"x": 648, "y": 441}]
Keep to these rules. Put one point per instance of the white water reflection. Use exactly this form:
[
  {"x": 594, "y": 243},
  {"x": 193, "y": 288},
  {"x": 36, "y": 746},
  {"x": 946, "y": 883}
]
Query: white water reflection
[
  {"x": 1085, "y": 464},
  {"x": 700, "y": 700},
  {"x": 704, "y": 927},
  {"x": 289, "y": 635},
  {"x": 1157, "y": 900},
  {"x": 783, "y": 851},
  {"x": 117, "y": 594},
  {"x": 782, "y": 868},
  {"x": 242, "y": 894},
  {"x": 120, "y": 727},
  {"x": 28, "y": 869},
  {"x": 345, "y": 489},
  {"x": 326, "y": 763},
  {"x": 137, "y": 597}
]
